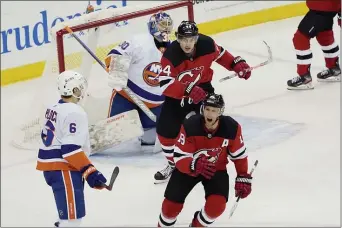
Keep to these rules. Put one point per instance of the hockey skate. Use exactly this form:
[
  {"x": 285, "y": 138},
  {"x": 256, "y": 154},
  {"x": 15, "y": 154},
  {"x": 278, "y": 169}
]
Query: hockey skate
[
  {"x": 330, "y": 75},
  {"x": 193, "y": 220},
  {"x": 300, "y": 82},
  {"x": 163, "y": 175}
]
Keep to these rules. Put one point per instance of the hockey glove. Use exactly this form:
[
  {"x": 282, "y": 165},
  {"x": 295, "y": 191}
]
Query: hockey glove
[
  {"x": 339, "y": 19},
  {"x": 240, "y": 66},
  {"x": 118, "y": 71},
  {"x": 94, "y": 178},
  {"x": 197, "y": 94},
  {"x": 202, "y": 166},
  {"x": 243, "y": 185}
]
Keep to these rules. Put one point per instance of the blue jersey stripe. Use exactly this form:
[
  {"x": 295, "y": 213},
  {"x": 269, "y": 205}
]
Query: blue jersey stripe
[
  {"x": 49, "y": 154},
  {"x": 65, "y": 149},
  {"x": 142, "y": 93}
]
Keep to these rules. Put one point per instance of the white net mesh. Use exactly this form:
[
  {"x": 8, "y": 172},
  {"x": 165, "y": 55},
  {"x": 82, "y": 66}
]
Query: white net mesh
[{"x": 100, "y": 40}]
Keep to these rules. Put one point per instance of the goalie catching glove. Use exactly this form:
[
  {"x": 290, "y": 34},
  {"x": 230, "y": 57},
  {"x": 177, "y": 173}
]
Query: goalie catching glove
[{"x": 118, "y": 71}]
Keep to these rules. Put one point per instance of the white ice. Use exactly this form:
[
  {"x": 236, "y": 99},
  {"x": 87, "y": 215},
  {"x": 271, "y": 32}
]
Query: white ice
[{"x": 297, "y": 182}]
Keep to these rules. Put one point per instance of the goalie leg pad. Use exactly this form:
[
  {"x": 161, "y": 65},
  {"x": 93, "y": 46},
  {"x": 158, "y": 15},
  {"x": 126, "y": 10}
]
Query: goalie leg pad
[
  {"x": 115, "y": 130},
  {"x": 149, "y": 137}
]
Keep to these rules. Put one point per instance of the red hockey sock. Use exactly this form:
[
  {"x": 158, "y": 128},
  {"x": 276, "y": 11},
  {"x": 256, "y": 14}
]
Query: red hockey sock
[
  {"x": 214, "y": 207},
  {"x": 167, "y": 147},
  {"x": 301, "y": 44},
  {"x": 169, "y": 213},
  {"x": 329, "y": 47}
]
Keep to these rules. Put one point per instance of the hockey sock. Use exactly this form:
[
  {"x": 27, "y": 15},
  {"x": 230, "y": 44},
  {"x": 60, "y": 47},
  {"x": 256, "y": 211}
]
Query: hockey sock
[
  {"x": 329, "y": 47},
  {"x": 169, "y": 213},
  {"x": 214, "y": 207},
  {"x": 167, "y": 146},
  {"x": 301, "y": 44}
]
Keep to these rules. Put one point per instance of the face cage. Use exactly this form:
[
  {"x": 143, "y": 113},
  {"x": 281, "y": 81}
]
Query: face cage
[{"x": 163, "y": 30}]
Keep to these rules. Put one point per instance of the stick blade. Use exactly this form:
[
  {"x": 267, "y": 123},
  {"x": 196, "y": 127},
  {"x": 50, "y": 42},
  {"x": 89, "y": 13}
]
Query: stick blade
[{"x": 113, "y": 178}]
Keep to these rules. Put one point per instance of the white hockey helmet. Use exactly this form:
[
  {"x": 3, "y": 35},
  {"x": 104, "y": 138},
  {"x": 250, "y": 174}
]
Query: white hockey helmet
[{"x": 69, "y": 82}]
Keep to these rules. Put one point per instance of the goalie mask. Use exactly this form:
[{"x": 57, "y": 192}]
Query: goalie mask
[
  {"x": 160, "y": 26},
  {"x": 71, "y": 83}
]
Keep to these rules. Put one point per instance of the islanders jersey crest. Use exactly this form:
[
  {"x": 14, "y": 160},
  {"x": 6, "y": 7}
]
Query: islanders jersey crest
[{"x": 150, "y": 74}]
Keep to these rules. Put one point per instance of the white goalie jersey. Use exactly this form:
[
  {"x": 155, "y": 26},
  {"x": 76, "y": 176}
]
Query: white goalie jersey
[{"x": 144, "y": 67}]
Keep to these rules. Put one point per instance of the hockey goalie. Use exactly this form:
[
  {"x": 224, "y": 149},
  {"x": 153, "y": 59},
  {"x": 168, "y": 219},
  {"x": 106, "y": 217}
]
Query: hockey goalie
[{"x": 135, "y": 64}]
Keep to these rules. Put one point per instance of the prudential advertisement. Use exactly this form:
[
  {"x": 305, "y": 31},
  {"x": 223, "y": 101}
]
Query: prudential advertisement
[{"x": 25, "y": 27}]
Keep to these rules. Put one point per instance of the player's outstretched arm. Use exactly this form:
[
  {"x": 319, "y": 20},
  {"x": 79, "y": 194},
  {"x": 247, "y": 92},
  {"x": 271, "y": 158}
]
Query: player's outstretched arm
[
  {"x": 75, "y": 136},
  {"x": 231, "y": 63}
]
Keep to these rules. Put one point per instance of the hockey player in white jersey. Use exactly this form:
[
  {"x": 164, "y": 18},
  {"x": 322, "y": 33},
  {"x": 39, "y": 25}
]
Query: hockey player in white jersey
[
  {"x": 63, "y": 152},
  {"x": 135, "y": 63}
]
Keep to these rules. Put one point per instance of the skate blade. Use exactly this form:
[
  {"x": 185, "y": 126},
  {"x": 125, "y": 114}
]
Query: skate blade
[
  {"x": 161, "y": 181},
  {"x": 330, "y": 79},
  {"x": 307, "y": 86}
]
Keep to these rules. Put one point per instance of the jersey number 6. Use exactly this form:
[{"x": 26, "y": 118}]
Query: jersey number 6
[{"x": 48, "y": 132}]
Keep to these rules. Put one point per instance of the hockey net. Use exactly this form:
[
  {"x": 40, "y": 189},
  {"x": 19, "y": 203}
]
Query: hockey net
[{"x": 100, "y": 31}]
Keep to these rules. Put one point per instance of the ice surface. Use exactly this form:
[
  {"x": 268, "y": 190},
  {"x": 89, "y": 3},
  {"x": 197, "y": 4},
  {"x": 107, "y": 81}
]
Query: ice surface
[{"x": 295, "y": 135}]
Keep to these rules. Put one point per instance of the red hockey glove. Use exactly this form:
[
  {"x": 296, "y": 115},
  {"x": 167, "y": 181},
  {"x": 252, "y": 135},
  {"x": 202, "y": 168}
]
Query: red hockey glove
[
  {"x": 240, "y": 66},
  {"x": 197, "y": 94},
  {"x": 243, "y": 185},
  {"x": 202, "y": 166},
  {"x": 339, "y": 19}
]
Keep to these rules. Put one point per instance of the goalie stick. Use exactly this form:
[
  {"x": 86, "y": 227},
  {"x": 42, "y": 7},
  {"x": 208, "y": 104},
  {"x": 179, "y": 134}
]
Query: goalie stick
[
  {"x": 270, "y": 59},
  {"x": 239, "y": 197},
  {"x": 128, "y": 91},
  {"x": 115, "y": 174}
]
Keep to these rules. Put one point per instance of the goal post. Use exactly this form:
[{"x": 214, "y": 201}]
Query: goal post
[
  {"x": 110, "y": 20},
  {"x": 101, "y": 31}
]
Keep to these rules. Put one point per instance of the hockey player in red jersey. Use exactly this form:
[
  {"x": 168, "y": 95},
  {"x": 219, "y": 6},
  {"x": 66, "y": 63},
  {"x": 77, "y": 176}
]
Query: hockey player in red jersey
[
  {"x": 204, "y": 143},
  {"x": 186, "y": 79},
  {"x": 318, "y": 22}
]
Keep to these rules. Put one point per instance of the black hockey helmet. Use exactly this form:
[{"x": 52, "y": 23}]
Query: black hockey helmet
[
  {"x": 213, "y": 100},
  {"x": 187, "y": 29}
]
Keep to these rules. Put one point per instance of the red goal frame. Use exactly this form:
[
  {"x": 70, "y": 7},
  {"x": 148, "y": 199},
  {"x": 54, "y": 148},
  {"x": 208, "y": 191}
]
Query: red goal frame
[{"x": 140, "y": 13}]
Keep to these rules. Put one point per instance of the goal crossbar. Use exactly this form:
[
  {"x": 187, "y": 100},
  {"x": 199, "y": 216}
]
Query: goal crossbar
[{"x": 106, "y": 21}]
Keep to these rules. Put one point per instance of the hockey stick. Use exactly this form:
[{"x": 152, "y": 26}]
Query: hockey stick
[
  {"x": 239, "y": 197},
  {"x": 115, "y": 174},
  {"x": 270, "y": 59},
  {"x": 128, "y": 91}
]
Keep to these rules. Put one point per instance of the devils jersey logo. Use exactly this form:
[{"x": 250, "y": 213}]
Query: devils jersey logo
[
  {"x": 212, "y": 154},
  {"x": 192, "y": 75}
]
